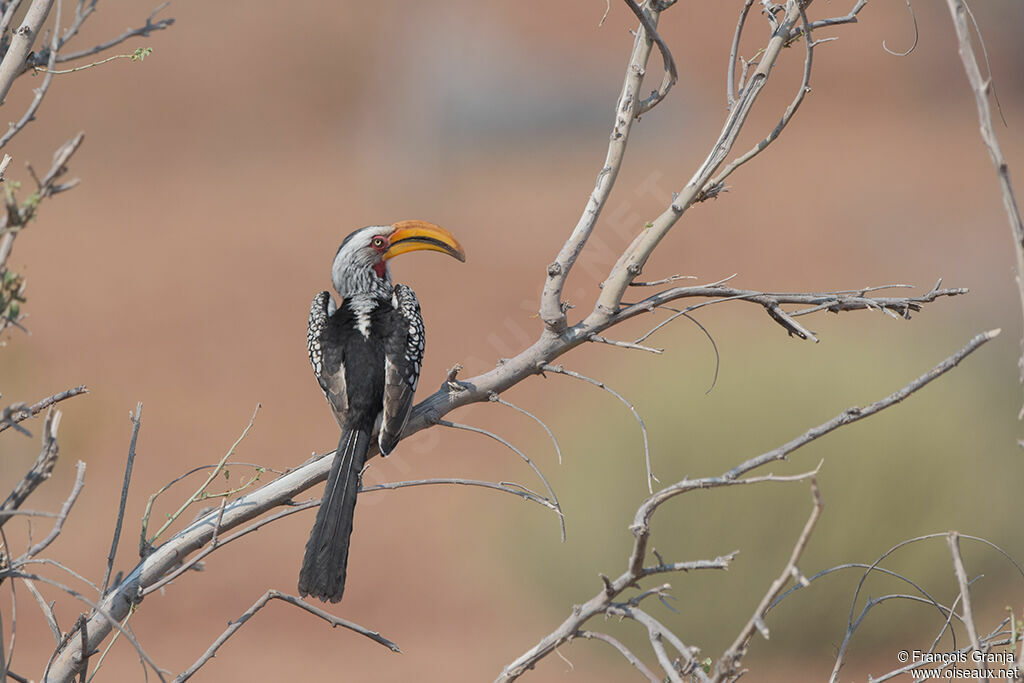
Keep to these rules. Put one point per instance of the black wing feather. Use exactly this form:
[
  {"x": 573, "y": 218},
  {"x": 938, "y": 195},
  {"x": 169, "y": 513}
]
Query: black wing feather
[{"x": 403, "y": 356}]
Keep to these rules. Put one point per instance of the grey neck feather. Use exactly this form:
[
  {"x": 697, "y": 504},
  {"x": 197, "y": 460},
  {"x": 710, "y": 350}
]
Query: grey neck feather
[{"x": 353, "y": 273}]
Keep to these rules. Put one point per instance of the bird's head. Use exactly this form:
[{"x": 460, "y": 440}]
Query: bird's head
[{"x": 361, "y": 264}]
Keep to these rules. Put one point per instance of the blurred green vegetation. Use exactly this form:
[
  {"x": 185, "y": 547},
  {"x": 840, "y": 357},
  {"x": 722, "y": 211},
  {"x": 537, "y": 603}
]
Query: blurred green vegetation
[{"x": 944, "y": 459}]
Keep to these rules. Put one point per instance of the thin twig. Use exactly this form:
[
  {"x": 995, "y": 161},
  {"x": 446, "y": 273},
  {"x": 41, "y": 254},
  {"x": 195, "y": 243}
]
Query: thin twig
[
  {"x": 136, "y": 419},
  {"x": 730, "y": 81},
  {"x": 45, "y": 608},
  {"x": 855, "y": 414},
  {"x": 195, "y": 497},
  {"x": 946, "y": 612},
  {"x": 551, "y": 492},
  {"x": 729, "y": 663},
  {"x": 624, "y": 651},
  {"x": 917, "y": 35},
  {"x": 657, "y": 633},
  {"x": 23, "y": 414},
  {"x": 663, "y": 281},
  {"x": 144, "y": 30},
  {"x": 99, "y": 612},
  {"x": 558, "y": 451},
  {"x": 58, "y": 524},
  {"x": 624, "y": 344},
  {"x": 41, "y": 469},
  {"x": 953, "y": 539},
  {"x": 601, "y": 385},
  {"x": 292, "y": 600},
  {"x": 849, "y": 18}
]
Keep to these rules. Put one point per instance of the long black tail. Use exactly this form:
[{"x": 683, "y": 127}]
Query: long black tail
[{"x": 323, "y": 568}]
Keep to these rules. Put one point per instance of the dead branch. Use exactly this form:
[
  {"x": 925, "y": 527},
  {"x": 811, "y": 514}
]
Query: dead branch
[
  {"x": 624, "y": 651},
  {"x": 16, "y": 414},
  {"x": 641, "y": 526},
  {"x": 552, "y": 498},
  {"x": 981, "y": 87},
  {"x": 136, "y": 419},
  {"x": 626, "y": 111},
  {"x": 953, "y": 539},
  {"x": 558, "y": 369},
  {"x": 292, "y": 600},
  {"x": 14, "y": 61},
  {"x": 40, "y": 471},
  {"x": 728, "y": 665}
]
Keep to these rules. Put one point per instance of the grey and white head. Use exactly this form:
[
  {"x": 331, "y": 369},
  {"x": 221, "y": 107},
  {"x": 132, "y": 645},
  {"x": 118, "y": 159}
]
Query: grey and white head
[{"x": 361, "y": 264}]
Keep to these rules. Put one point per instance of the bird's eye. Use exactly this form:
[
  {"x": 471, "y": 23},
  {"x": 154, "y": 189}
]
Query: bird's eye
[{"x": 378, "y": 242}]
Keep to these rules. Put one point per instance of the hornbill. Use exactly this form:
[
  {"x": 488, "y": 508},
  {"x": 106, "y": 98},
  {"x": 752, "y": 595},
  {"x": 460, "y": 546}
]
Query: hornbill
[{"x": 366, "y": 355}]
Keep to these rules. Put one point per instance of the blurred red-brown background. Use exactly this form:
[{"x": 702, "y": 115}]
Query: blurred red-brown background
[{"x": 219, "y": 176}]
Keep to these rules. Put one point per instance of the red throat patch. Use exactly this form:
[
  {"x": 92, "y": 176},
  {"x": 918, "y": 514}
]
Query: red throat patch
[{"x": 381, "y": 268}]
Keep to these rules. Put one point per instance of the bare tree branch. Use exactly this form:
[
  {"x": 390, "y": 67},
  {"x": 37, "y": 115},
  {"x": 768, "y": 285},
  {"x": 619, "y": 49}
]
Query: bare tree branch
[
  {"x": 558, "y": 451},
  {"x": 40, "y": 471},
  {"x": 40, "y": 92},
  {"x": 851, "y": 415},
  {"x": 953, "y": 539},
  {"x": 21, "y": 413},
  {"x": 558, "y": 369},
  {"x": 58, "y": 524},
  {"x": 551, "y": 492},
  {"x": 626, "y": 110},
  {"x": 657, "y": 633},
  {"x": 17, "y": 217},
  {"x": 630, "y": 264},
  {"x": 641, "y": 526},
  {"x": 70, "y": 637},
  {"x": 670, "y": 78},
  {"x": 292, "y": 600},
  {"x": 136, "y": 419},
  {"x": 728, "y": 664},
  {"x": 16, "y": 58},
  {"x": 624, "y": 651},
  {"x": 144, "y": 30},
  {"x": 981, "y": 87},
  {"x": 730, "y": 83}
]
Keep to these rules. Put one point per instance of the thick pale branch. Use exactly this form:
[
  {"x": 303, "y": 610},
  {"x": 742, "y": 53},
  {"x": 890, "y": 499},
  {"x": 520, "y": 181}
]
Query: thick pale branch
[
  {"x": 712, "y": 186},
  {"x": 14, "y": 61},
  {"x": 631, "y": 262},
  {"x": 981, "y": 87},
  {"x": 626, "y": 109},
  {"x": 40, "y": 92}
]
